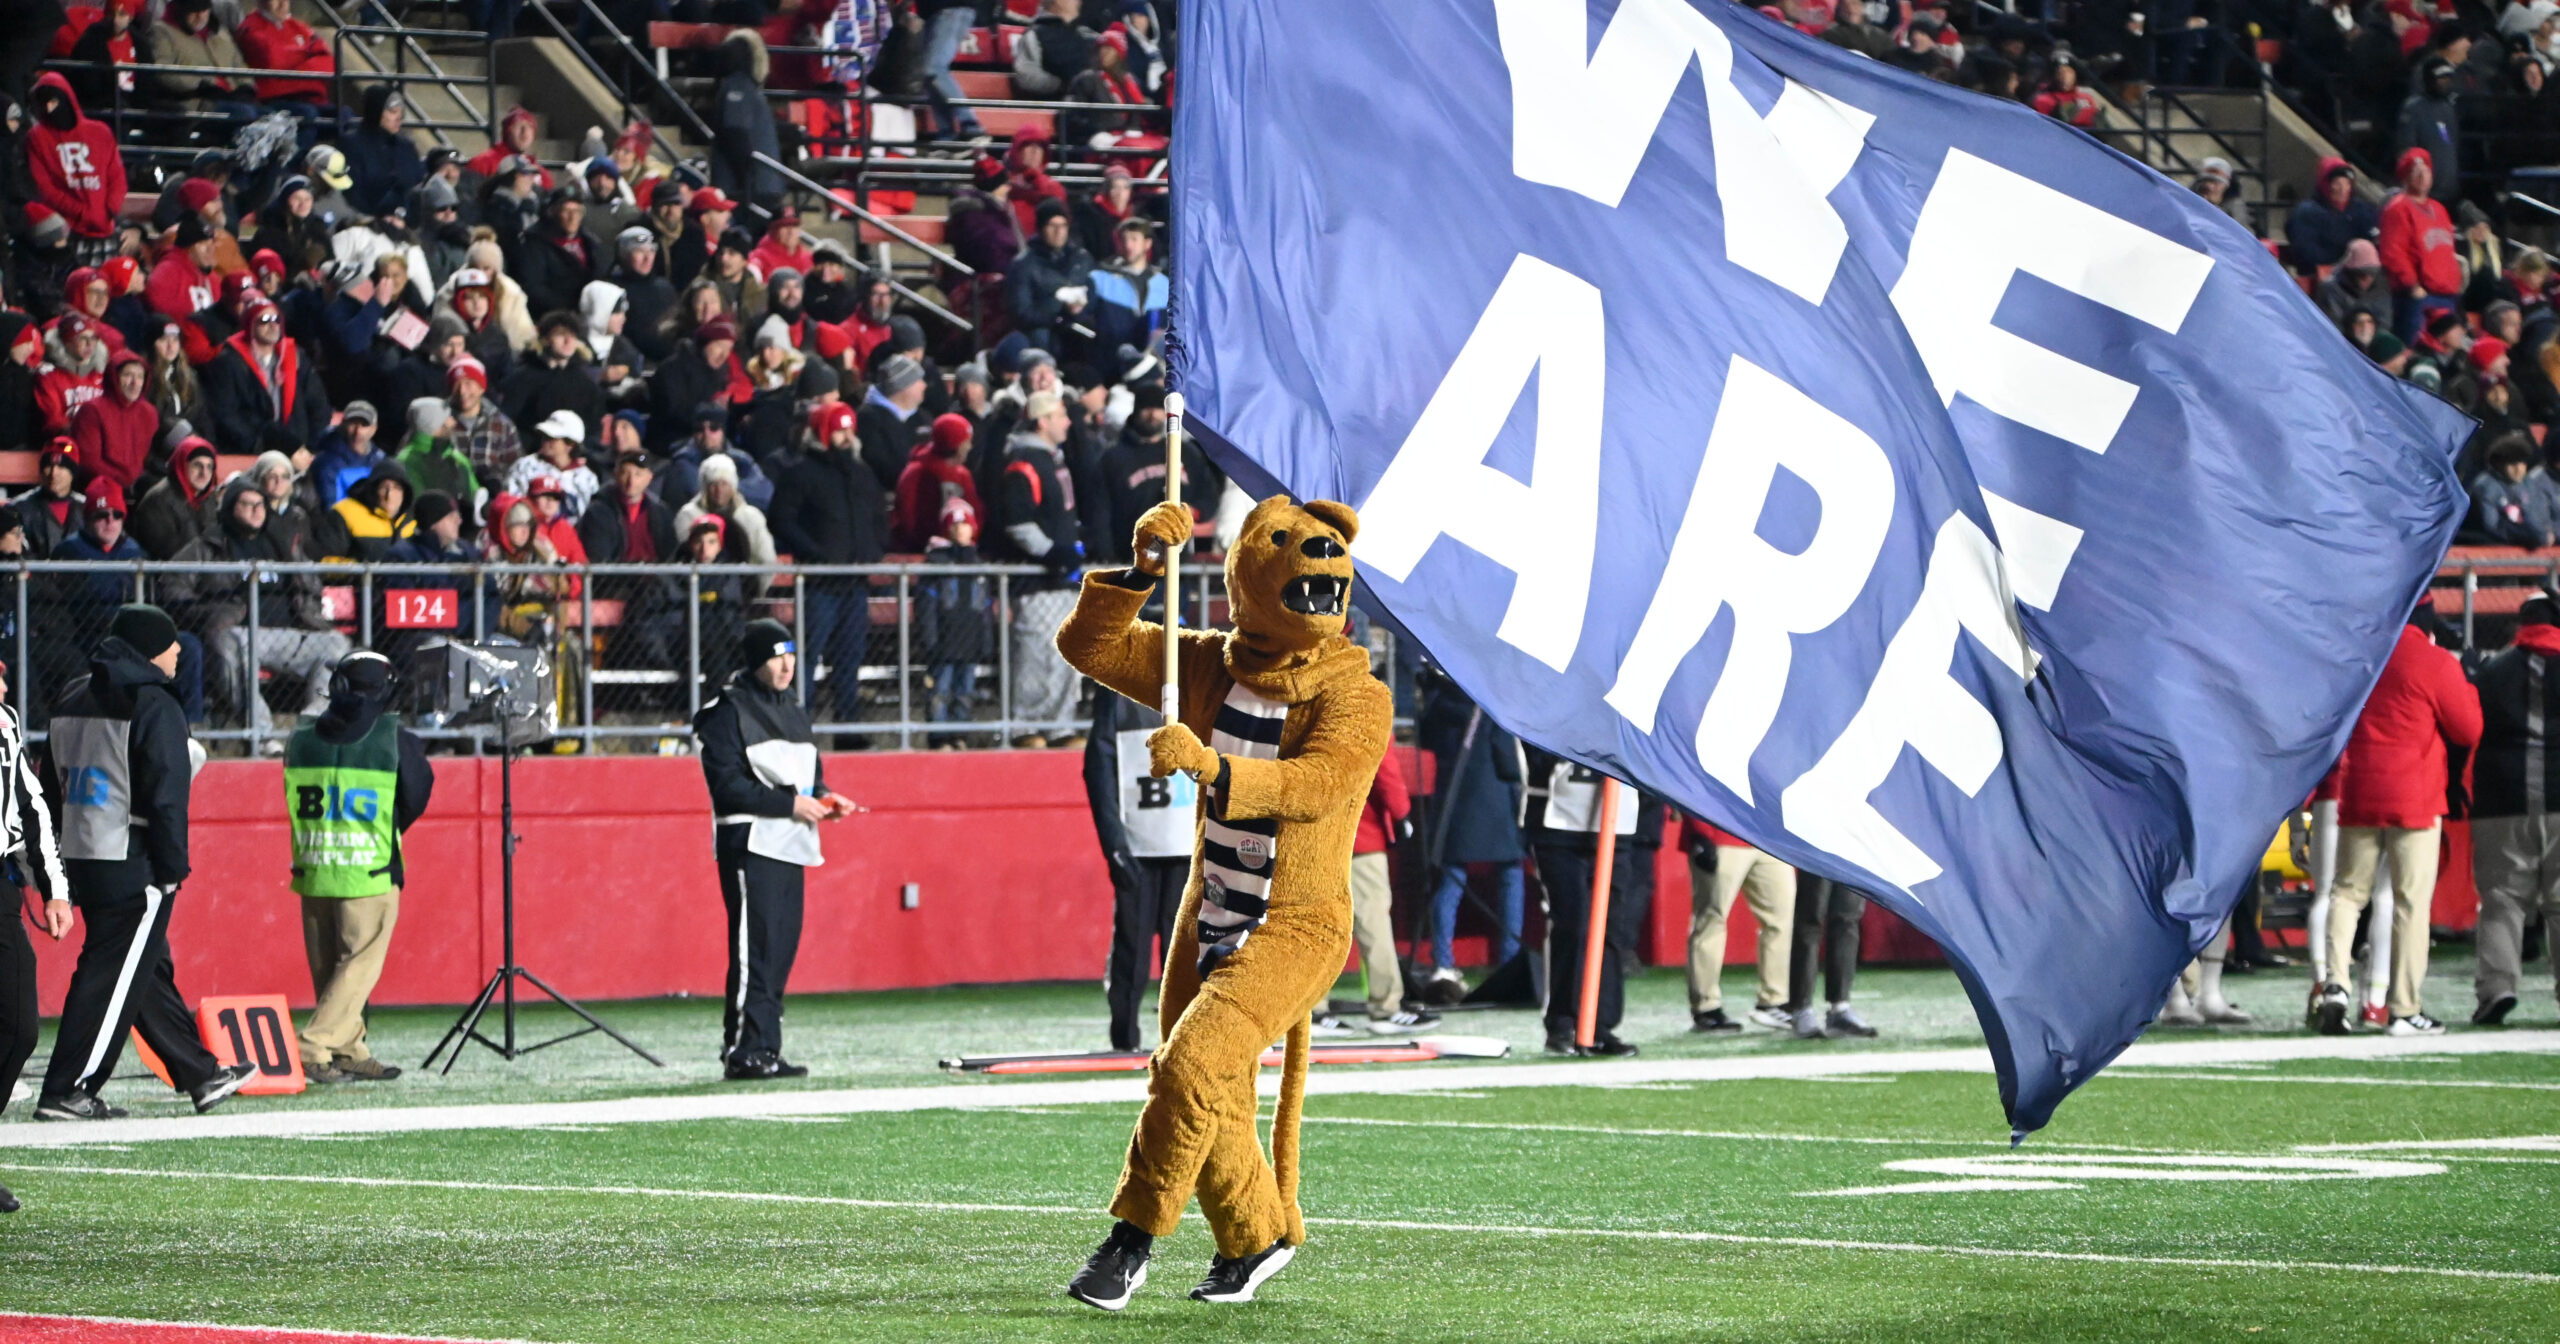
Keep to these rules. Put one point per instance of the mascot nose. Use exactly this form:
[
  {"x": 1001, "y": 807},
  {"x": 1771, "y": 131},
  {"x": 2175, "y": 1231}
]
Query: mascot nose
[{"x": 1321, "y": 548}]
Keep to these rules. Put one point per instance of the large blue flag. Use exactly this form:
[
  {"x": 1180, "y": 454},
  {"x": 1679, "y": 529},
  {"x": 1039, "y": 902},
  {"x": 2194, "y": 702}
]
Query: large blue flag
[{"x": 1944, "y": 502}]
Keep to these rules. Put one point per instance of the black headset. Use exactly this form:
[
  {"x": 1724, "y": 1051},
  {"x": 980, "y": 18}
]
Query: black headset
[{"x": 339, "y": 685}]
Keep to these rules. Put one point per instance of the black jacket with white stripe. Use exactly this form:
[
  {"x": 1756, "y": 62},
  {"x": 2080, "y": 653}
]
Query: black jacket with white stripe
[
  {"x": 119, "y": 745},
  {"x": 26, "y": 820}
]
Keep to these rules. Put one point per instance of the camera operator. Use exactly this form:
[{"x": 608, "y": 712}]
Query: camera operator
[
  {"x": 768, "y": 794},
  {"x": 339, "y": 769},
  {"x": 27, "y": 843},
  {"x": 127, "y": 763}
]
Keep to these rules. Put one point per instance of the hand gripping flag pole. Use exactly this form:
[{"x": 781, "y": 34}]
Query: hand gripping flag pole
[
  {"x": 1170, "y": 701},
  {"x": 1595, "y": 927}
]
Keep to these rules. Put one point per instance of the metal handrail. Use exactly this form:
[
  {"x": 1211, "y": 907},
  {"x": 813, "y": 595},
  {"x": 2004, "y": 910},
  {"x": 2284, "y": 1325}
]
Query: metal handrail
[
  {"x": 845, "y": 203},
  {"x": 587, "y": 58},
  {"x": 410, "y": 45}
]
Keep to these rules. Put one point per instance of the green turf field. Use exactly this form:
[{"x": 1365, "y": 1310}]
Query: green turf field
[{"x": 1619, "y": 1206}]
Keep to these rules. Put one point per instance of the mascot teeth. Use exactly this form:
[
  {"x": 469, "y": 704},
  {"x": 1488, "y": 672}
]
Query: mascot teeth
[{"x": 1314, "y": 595}]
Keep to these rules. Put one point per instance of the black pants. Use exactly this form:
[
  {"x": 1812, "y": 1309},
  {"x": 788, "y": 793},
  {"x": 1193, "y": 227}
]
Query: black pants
[
  {"x": 1143, "y": 902},
  {"x": 763, "y": 897},
  {"x": 1565, "y": 872},
  {"x": 1827, "y": 926},
  {"x": 123, "y": 982},
  {"x": 17, "y": 1002}
]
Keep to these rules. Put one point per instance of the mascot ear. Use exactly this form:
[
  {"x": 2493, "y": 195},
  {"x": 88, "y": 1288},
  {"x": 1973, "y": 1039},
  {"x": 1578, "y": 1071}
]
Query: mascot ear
[{"x": 1339, "y": 516}]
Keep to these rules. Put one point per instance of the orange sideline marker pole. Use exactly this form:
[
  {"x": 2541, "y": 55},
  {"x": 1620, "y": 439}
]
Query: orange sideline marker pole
[{"x": 1595, "y": 933}]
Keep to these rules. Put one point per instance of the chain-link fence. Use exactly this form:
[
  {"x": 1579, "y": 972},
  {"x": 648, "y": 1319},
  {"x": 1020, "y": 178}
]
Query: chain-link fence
[{"x": 905, "y": 656}]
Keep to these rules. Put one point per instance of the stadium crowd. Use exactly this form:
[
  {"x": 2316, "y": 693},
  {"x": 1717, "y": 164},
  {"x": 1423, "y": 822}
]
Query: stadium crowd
[{"x": 407, "y": 354}]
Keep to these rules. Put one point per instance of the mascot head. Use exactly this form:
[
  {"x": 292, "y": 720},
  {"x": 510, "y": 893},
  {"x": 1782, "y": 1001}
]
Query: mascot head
[{"x": 1289, "y": 576}]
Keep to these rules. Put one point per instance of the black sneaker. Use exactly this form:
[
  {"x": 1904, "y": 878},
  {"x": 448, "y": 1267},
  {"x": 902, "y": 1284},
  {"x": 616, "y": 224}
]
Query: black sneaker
[
  {"x": 2329, "y": 1013},
  {"x": 783, "y": 1068},
  {"x": 8, "y": 1202},
  {"x": 753, "y": 1067},
  {"x": 77, "y": 1106},
  {"x": 1117, "y": 1270},
  {"x": 1607, "y": 1046},
  {"x": 217, "y": 1089},
  {"x": 2494, "y": 1012},
  {"x": 1234, "y": 1280},
  {"x": 1713, "y": 1022},
  {"x": 1561, "y": 1043}
]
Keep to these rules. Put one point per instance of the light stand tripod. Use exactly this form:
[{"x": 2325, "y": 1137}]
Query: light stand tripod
[{"x": 502, "y": 982}]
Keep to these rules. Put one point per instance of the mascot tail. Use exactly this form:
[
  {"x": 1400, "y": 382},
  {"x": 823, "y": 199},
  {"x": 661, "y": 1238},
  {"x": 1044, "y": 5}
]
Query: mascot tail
[{"x": 1284, "y": 1125}]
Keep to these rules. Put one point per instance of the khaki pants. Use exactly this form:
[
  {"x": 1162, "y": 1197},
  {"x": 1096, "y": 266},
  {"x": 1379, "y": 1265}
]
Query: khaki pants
[
  {"x": 1373, "y": 931},
  {"x": 2516, "y": 861},
  {"x": 2413, "y": 878},
  {"x": 346, "y": 941},
  {"x": 1770, "y": 886}
]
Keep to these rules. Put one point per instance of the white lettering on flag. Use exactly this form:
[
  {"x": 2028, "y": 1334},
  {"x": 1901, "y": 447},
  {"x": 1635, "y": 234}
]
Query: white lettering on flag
[
  {"x": 1980, "y": 226},
  {"x": 1545, "y": 321},
  {"x": 1718, "y": 560},
  {"x": 1915, "y": 702},
  {"x": 1584, "y": 125}
]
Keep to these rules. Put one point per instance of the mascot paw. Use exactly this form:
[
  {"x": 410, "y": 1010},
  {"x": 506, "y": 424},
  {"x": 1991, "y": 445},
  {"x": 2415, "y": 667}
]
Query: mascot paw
[
  {"x": 1159, "y": 529},
  {"x": 1174, "y": 747}
]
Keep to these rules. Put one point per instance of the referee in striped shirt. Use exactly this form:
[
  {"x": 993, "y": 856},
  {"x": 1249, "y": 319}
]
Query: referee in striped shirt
[{"x": 33, "y": 856}]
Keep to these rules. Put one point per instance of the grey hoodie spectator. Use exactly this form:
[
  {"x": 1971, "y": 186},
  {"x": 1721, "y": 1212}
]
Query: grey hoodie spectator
[{"x": 2511, "y": 503}]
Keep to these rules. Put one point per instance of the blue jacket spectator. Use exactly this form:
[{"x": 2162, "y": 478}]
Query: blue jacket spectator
[
  {"x": 380, "y": 157},
  {"x": 2331, "y": 217}
]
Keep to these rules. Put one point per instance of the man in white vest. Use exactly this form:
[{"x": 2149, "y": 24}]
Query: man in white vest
[{"x": 768, "y": 794}]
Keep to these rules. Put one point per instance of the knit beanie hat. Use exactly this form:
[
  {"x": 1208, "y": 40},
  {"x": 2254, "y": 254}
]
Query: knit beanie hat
[
  {"x": 427, "y": 416},
  {"x": 144, "y": 628},
  {"x": 765, "y": 639},
  {"x": 899, "y": 374},
  {"x": 431, "y": 508}
]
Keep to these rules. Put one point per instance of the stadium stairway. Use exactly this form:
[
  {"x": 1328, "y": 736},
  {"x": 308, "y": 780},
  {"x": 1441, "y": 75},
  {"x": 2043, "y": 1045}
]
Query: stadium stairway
[{"x": 2273, "y": 150}]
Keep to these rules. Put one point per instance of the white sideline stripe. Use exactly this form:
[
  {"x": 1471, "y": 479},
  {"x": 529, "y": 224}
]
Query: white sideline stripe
[
  {"x": 2526, "y": 1143},
  {"x": 1747, "y": 1135},
  {"x": 323, "y": 1331},
  {"x": 1959, "y": 1187},
  {"x": 2342, "y": 1080},
  {"x": 1005, "y": 1094},
  {"x": 1363, "y": 1224}
]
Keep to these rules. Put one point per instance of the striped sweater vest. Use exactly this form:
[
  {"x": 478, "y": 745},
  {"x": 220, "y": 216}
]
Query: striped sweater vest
[{"x": 1237, "y": 857}]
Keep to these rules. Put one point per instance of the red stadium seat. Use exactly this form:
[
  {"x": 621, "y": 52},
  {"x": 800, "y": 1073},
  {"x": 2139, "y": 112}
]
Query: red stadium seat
[
  {"x": 983, "y": 83},
  {"x": 17, "y": 466},
  {"x": 686, "y": 36},
  {"x": 1004, "y": 121},
  {"x": 2486, "y": 602},
  {"x": 925, "y": 228}
]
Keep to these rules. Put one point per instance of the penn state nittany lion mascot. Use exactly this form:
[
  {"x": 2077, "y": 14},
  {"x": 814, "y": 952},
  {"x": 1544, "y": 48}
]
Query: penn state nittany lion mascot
[{"x": 1294, "y": 725}]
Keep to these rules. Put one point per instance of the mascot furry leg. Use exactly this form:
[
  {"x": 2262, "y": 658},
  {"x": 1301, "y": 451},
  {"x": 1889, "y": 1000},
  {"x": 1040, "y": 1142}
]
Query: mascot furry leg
[{"x": 1294, "y": 725}]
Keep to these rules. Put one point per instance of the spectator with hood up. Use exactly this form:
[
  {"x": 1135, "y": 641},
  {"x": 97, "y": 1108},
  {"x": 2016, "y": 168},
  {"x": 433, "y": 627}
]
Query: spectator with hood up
[
  {"x": 380, "y": 155},
  {"x": 114, "y": 431},
  {"x": 260, "y": 387},
  {"x": 172, "y": 512},
  {"x": 743, "y": 125},
  {"x": 374, "y": 514},
  {"x": 2332, "y": 216},
  {"x": 293, "y": 636},
  {"x": 73, "y": 167}
]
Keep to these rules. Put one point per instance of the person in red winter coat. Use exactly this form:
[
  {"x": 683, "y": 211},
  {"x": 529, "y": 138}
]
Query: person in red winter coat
[
  {"x": 273, "y": 39},
  {"x": 1385, "y": 819},
  {"x": 114, "y": 432},
  {"x": 74, "y": 371},
  {"x": 86, "y": 292},
  {"x": 72, "y": 161},
  {"x": 182, "y": 284},
  {"x": 2417, "y": 245},
  {"x": 936, "y": 473},
  {"x": 2392, "y": 805}
]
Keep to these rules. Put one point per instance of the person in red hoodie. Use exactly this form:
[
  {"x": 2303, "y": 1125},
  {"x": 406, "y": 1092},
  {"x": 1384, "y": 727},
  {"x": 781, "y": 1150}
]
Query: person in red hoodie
[
  {"x": 182, "y": 284},
  {"x": 2417, "y": 245},
  {"x": 516, "y": 133},
  {"x": 114, "y": 432},
  {"x": 1385, "y": 819},
  {"x": 86, "y": 291},
  {"x": 273, "y": 39},
  {"x": 74, "y": 371},
  {"x": 936, "y": 473},
  {"x": 73, "y": 166},
  {"x": 2392, "y": 808}
]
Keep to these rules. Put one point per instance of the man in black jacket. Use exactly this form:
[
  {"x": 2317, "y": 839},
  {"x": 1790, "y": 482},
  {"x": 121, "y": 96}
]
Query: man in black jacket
[
  {"x": 887, "y": 424},
  {"x": 1050, "y": 285},
  {"x": 261, "y": 388},
  {"x": 556, "y": 258},
  {"x": 558, "y": 377},
  {"x": 126, "y": 765},
  {"x": 695, "y": 374},
  {"x": 829, "y": 509},
  {"x": 768, "y": 794},
  {"x": 2515, "y": 842},
  {"x": 1145, "y": 826},
  {"x": 625, "y": 525},
  {"x": 1132, "y": 472},
  {"x": 1036, "y": 523},
  {"x": 1563, "y": 826}
]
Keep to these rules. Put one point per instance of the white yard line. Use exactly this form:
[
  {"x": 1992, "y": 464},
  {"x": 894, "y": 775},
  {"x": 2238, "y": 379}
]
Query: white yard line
[
  {"x": 242, "y": 1120},
  {"x": 1739, "y": 1135},
  {"x": 2339, "y": 1080},
  {"x": 209, "y": 1326},
  {"x": 1363, "y": 1224}
]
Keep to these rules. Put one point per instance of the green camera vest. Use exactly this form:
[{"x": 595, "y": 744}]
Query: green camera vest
[{"x": 340, "y": 801}]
